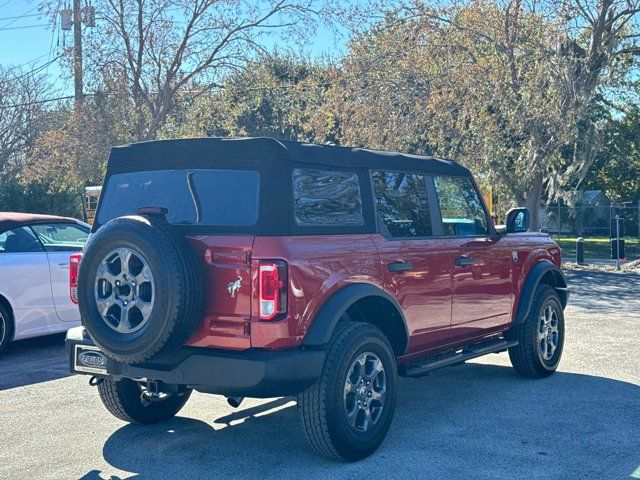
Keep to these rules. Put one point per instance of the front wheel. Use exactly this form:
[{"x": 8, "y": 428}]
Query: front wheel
[
  {"x": 540, "y": 337},
  {"x": 6, "y": 329},
  {"x": 347, "y": 413},
  {"x": 123, "y": 398}
]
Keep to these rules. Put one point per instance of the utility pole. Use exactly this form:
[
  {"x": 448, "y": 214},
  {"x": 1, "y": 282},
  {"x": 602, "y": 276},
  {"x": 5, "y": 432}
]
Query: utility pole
[{"x": 77, "y": 54}]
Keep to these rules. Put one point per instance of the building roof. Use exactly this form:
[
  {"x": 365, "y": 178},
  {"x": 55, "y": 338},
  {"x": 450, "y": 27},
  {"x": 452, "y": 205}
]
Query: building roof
[
  {"x": 196, "y": 152},
  {"x": 591, "y": 196},
  {"x": 11, "y": 220}
]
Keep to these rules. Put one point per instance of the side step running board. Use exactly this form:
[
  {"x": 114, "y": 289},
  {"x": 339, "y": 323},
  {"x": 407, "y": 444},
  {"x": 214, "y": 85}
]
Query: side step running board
[{"x": 423, "y": 367}]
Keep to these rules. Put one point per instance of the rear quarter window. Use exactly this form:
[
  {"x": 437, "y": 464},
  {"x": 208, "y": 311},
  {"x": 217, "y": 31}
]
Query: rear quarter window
[
  {"x": 326, "y": 198},
  {"x": 61, "y": 237},
  {"x": 192, "y": 197}
]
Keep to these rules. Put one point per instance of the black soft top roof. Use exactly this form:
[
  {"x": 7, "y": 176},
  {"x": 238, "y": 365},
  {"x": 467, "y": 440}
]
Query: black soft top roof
[{"x": 199, "y": 152}]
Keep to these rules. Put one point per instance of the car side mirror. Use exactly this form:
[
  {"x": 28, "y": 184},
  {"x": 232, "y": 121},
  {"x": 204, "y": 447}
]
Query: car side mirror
[{"x": 517, "y": 220}]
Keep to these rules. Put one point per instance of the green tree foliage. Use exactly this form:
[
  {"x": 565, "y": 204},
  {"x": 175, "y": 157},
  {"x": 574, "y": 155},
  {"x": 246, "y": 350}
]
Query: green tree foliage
[
  {"x": 505, "y": 87},
  {"x": 519, "y": 91},
  {"x": 278, "y": 96},
  {"x": 41, "y": 197},
  {"x": 617, "y": 168}
]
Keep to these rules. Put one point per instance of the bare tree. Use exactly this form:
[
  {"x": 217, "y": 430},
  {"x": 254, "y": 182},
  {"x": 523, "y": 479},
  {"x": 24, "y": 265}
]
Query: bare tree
[
  {"x": 22, "y": 117},
  {"x": 152, "y": 50}
]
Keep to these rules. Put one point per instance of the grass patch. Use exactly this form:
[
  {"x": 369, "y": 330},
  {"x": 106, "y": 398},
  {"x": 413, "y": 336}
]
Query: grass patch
[{"x": 597, "y": 247}]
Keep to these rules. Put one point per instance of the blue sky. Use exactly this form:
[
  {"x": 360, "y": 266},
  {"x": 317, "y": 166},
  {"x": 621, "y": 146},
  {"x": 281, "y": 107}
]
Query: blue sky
[{"x": 38, "y": 43}]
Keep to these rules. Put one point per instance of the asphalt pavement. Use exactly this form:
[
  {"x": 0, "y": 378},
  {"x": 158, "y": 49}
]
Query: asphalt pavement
[{"x": 476, "y": 421}]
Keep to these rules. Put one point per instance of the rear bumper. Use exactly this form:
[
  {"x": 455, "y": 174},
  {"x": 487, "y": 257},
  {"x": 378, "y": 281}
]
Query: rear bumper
[{"x": 251, "y": 373}]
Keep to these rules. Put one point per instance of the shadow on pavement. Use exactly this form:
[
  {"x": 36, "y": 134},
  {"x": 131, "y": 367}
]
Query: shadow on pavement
[
  {"x": 474, "y": 421},
  {"x": 601, "y": 291},
  {"x": 32, "y": 361}
]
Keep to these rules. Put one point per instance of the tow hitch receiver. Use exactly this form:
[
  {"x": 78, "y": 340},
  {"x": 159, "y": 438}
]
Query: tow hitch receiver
[{"x": 156, "y": 391}]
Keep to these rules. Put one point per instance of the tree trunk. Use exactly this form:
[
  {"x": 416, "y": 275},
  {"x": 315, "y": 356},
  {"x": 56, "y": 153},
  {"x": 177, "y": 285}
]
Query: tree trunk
[{"x": 533, "y": 199}]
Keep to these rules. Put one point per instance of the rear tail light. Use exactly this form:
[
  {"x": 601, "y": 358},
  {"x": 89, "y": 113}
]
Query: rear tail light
[
  {"x": 272, "y": 279},
  {"x": 74, "y": 264}
]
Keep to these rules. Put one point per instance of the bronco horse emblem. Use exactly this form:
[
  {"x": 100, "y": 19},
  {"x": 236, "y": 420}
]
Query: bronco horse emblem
[{"x": 233, "y": 287}]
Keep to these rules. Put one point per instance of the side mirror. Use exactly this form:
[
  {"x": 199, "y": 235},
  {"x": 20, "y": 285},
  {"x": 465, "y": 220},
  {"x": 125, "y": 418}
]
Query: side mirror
[{"x": 517, "y": 220}]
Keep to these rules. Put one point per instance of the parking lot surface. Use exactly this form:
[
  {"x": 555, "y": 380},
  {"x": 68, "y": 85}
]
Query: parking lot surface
[{"x": 475, "y": 421}]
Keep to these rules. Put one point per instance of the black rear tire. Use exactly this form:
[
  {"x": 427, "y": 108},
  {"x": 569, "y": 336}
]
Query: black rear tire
[
  {"x": 6, "y": 328},
  {"x": 527, "y": 357},
  {"x": 122, "y": 399},
  {"x": 176, "y": 288},
  {"x": 323, "y": 407}
]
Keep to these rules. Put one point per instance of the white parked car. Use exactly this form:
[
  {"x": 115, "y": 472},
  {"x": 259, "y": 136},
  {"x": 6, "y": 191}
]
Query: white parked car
[{"x": 34, "y": 274}]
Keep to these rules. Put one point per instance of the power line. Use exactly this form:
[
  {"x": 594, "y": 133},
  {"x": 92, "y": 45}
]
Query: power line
[
  {"x": 33, "y": 60},
  {"x": 38, "y": 68},
  {"x": 114, "y": 94},
  {"x": 25, "y": 26},
  {"x": 20, "y": 16},
  {"x": 38, "y": 102},
  {"x": 16, "y": 19}
]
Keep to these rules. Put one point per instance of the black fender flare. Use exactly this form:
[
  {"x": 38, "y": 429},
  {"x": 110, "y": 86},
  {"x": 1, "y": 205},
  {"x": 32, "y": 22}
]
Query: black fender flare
[
  {"x": 325, "y": 321},
  {"x": 531, "y": 284}
]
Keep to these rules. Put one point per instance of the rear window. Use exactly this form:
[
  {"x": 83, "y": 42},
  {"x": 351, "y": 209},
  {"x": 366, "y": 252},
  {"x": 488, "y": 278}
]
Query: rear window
[
  {"x": 192, "y": 197},
  {"x": 326, "y": 198}
]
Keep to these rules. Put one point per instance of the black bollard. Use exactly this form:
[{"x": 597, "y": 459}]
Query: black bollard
[{"x": 580, "y": 251}]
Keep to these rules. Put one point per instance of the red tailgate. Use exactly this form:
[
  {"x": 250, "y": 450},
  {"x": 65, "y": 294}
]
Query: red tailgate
[{"x": 226, "y": 264}]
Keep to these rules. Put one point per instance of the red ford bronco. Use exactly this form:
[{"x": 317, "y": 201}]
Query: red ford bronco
[{"x": 261, "y": 268}]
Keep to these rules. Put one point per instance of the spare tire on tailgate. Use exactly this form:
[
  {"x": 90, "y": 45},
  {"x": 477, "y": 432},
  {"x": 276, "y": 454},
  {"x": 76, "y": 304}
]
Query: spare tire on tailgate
[{"x": 139, "y": 290}]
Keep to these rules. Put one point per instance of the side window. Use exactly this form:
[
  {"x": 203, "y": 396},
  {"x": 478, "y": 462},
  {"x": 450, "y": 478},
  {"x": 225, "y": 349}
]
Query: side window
[
  {"x": 402, "y": 205},
  {"x": 461, "y": 207},
  {"x": 61, "y": 237},
  {"x": 326, "y": 198},
  {"x": 19, "y": 240}
]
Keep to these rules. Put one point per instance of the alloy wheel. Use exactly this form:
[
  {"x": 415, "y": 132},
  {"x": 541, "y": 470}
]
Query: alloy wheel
[
  {"x": 548, "y": 334},
  {"x": 124, "y": 290},
  {"x": 364, "y": 391}
]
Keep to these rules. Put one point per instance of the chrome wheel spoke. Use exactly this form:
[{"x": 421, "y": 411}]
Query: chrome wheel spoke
[
  {"x": 144, "y": 275},
  {"x": 144, "y": 307},
  {"x": 104, "y": 273},
  {"x": 104, "y": 304},
  {"x": 352, "y": 416},
  {"x": 375, "y": 371},
  {"x": 361, "y": 367},
  {"x": 123, "y": 324},
  {"x": 378, "y": 395},
  {"x": 367, "y": 419},
  {"x": 125, "y": 257},
  {"x": 349, "y": 387}
]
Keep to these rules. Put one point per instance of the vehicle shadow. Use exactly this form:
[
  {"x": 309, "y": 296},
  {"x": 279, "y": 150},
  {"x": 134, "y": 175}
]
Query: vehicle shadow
[
  {"x": 33, "y": 360},
  {"x": 475, "y": 421},
  {"x": 601, "y": 290}
]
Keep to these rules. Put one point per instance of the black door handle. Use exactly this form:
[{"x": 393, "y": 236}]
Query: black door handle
[
  {"x": 462, "y": 261},
  {"x": 400, "y": 266}
]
